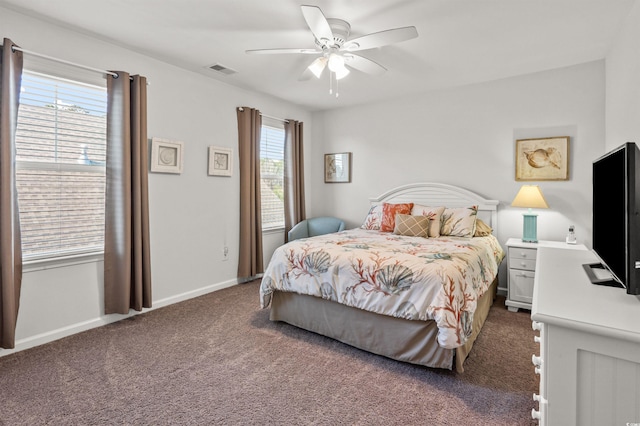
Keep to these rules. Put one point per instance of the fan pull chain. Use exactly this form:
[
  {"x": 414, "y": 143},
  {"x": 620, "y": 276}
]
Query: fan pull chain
[
  {"x": 332, "y": 77},
  {"x": 330, "y": 82}
]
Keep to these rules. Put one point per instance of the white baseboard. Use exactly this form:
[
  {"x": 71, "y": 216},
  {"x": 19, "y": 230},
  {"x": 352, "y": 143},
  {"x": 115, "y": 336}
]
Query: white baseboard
[
  {"x": 191, "y": 294},
  {"x": 59, "y": 333}
]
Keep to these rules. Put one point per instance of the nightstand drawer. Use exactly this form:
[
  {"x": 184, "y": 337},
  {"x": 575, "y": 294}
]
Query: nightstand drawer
[
  {"x": 521, "y": 285},
  {"x": 522, "y": 253},
  {"x": 526, "y": 264}
]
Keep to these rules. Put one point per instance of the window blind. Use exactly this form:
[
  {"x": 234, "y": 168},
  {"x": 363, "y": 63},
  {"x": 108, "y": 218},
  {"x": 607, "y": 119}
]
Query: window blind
[
  {"x": 272, "y": 177},
  {"x": 60, "y": 162}
]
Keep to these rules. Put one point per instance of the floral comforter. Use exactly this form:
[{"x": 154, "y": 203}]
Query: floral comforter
[{"x": 414, "y": 278}]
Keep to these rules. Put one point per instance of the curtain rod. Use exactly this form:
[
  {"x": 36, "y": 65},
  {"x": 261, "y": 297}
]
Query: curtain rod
[
  {"x": 269, "y": 116},
  {"x": 51, "y": 58},
  {"x": 275, "y": 118},
  {"x": 73, "y": 64}
]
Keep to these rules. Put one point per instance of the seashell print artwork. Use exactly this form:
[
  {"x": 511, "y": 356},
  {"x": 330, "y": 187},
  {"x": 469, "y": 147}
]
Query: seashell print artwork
[{"x": 542, "y": 159}]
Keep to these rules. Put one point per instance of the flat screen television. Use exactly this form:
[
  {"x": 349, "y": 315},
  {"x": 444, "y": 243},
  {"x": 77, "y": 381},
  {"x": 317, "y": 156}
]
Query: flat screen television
[{"x": 616, "y": 219}]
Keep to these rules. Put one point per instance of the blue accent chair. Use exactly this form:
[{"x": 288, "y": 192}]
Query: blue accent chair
[{"x": 316, "y": 226}]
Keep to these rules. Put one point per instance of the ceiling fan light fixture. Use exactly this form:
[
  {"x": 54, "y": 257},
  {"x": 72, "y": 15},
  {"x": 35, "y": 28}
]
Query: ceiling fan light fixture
[
  {"x": 336, "y": 62},
  {"x": 342, "y": 73},
  {"x": 317, "y": 66}
]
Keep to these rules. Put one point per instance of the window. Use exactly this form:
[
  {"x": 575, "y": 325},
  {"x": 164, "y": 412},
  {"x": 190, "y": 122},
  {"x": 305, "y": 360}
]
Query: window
[
  {"x": 272, "y": 176},
  {"x": 60, "y": 162}
]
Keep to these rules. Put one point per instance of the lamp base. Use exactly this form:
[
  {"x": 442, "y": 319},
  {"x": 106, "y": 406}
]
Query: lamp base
[{"x": 530, "y": 228}]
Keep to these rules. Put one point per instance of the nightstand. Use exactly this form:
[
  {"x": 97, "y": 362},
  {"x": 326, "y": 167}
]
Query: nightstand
[{"x": 521, "y": 266}]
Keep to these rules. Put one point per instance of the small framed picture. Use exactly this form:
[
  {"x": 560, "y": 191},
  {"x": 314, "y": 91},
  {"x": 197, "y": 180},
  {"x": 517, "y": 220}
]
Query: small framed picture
[
  {"x": 542, "y": 159},
  {"x": 166, "y": 156},
  {"x": 337, "y": 167},
  {"x": 220, "y": 161}
]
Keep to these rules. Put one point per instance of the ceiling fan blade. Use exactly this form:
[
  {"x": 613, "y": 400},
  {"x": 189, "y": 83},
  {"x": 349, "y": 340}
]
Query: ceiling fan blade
[
  {"x": 363, "y": 64},
  {"x": 283, "y": 50},
  {"x": 318, "y": 24},
  {"x": 381, "y": 38}
]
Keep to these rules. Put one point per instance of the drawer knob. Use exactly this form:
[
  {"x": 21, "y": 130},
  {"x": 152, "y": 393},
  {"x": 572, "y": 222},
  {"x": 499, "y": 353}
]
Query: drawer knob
[
  {"x": 535, "y": 414},
  {"x": 539, "y": 398},
  {"x": 536, "y": 325},
  {"x": 536, "y": 360}
]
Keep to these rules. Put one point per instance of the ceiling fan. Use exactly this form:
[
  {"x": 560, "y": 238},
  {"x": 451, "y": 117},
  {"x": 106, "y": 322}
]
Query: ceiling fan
[{"x": 335, "y": 48}]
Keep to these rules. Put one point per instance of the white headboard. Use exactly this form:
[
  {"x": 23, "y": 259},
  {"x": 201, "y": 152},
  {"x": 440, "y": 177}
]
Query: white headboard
[{"x": 440, "y": 194}]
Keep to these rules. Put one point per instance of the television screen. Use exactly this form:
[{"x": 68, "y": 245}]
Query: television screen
[{"x": 616, "y": 215}]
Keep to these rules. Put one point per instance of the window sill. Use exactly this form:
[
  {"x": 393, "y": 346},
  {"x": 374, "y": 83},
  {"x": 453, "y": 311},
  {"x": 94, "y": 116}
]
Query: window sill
[
  {"x": 273, "y": 230},
  {"x": 61, "y": 262}
]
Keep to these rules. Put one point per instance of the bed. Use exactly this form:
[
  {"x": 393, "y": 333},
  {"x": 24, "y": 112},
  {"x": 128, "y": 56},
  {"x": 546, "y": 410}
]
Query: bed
[{"x": 414, "y": 283}]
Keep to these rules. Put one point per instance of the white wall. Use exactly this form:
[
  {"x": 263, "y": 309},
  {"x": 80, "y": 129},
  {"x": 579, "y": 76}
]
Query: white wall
[
  {"x": 193, "y": 216},
  {"x": 623, "y": 84},
  {"x": 466, "y": 136},
  {"x": 463, "y": 136}
]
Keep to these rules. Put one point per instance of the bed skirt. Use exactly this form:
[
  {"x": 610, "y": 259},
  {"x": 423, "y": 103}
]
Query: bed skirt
[{"x": 400, "y": 339}]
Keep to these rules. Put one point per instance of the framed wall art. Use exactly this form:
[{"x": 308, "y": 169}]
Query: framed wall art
[
  {"x": 542, "y": 159},
  {"x": 220, "y": 161},
  {"x": 337, "y": 167},
  {"x": 166, "y": 156}
]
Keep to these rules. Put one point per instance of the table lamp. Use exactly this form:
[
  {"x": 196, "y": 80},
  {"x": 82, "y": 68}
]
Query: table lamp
[{"x": 530, "y": 197}]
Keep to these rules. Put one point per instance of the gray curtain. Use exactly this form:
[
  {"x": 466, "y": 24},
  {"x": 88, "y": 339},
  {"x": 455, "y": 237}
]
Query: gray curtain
[
  {"x": 250, "y": 261},
  {"x": 127, "y": 265},
  {"x": 294, "y": 210},
  {"x": 10, "y": 243}
]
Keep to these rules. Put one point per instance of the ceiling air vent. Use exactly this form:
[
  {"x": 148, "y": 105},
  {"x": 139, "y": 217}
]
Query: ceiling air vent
[{"x": 222, "y": 69}]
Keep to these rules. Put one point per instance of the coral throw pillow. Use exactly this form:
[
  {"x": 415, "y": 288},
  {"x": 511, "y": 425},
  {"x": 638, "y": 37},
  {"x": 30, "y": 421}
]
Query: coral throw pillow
[{"x": 389, "y": 212}]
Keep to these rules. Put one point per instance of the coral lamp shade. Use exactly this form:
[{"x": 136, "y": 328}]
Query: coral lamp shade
[{"x": 530, "y": 196}]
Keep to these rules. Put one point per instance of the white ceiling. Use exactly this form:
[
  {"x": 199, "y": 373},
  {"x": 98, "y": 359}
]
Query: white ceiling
[{"x": 459, "y": 42}]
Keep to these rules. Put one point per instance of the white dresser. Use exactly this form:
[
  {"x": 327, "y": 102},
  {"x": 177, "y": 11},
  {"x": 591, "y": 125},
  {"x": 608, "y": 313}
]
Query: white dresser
[
  {"x": 589, "y": 360},
  {"x": 521, "y": 266}
]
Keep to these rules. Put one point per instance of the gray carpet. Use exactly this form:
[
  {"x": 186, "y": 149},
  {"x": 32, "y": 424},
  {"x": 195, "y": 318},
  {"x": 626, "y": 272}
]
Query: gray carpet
[{"x": 217, "y": 359}]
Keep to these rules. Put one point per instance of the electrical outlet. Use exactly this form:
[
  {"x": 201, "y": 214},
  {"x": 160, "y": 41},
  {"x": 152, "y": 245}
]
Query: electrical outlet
[{"x": 225, "y": 253}]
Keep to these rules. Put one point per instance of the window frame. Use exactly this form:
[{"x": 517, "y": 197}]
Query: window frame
[
  {"x": 61, "y": 258},
  {"x": 278, "y": 126}
]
